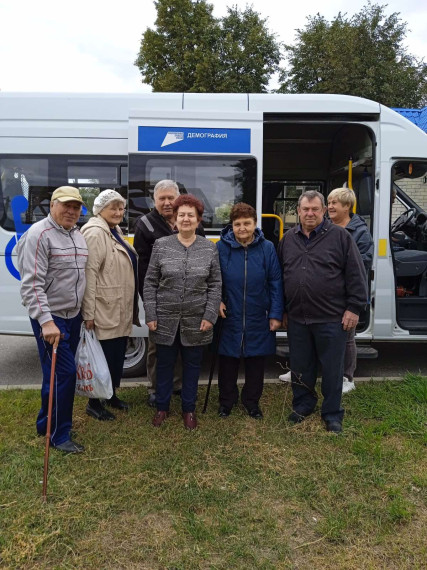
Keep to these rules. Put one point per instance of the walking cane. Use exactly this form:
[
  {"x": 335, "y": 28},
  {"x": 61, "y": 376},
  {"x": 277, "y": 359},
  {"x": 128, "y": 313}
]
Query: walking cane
[
  {"x": 49, "y": 421},
  {"x": 211, "y": 372}
]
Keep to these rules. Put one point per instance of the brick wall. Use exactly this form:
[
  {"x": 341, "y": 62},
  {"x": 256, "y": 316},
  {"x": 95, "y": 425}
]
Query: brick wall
[{"x": 416, "y": 189}]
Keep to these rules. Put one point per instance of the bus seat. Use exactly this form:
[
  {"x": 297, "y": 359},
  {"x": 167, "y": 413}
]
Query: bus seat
[{"x": 365, "y": 194}]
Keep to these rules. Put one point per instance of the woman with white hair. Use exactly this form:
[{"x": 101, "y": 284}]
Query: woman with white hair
[{"x": 110, "y": 303}]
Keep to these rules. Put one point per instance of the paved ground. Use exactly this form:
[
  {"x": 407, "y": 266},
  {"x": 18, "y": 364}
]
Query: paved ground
[{"x": 20, "y": 365}]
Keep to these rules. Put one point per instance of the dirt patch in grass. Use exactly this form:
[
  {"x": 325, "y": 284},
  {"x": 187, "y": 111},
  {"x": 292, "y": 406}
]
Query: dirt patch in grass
[{"x": 130, "y": 540}]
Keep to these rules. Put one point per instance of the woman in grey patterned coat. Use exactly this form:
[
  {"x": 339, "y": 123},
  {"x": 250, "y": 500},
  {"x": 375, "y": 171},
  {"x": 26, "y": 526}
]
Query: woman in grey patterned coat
[{"x": 182, "y": 294}]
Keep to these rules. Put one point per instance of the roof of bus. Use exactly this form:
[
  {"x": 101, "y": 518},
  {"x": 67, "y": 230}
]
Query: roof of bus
[
  {"x": 116, "y": 106},
  {"x": 115, "y": 109}
]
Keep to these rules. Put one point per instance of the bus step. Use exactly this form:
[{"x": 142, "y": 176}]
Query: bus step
[
  {"x": 362, "y": 351},
  {"x": 366, "y": 352}
]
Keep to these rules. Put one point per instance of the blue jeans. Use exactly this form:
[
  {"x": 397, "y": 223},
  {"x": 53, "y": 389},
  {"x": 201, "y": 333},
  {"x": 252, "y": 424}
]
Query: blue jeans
[
  {"x": 308, "y": 344},
  {"x": 65, "y": 378},
  {"x": 191, "y": 361}
]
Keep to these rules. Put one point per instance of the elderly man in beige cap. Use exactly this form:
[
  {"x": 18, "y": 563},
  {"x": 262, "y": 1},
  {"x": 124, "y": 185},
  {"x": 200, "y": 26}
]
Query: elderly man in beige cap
[{"x": 52, "y": 256}]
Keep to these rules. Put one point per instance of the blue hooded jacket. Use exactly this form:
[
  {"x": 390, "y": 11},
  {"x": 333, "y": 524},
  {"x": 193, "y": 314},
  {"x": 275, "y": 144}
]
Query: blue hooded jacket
[
  {"x": 360, "y": 233},
  {"x": 253, "y": 294}
]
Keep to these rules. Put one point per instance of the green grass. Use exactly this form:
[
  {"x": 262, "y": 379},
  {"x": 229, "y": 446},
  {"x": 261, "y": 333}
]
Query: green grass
[{"x": 236, "y": 493}]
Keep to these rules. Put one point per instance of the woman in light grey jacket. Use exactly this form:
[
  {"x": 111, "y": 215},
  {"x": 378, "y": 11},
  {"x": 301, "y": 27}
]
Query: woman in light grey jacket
[{"x": 182, "y": 294}]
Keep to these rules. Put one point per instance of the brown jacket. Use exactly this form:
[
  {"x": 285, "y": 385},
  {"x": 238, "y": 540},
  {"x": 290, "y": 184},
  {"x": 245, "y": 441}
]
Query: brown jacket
[{"x": 109, "y": 297}]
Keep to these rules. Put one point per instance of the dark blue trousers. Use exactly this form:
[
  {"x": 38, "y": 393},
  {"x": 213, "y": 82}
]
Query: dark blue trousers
[
  {"x": 309, "y": 344},
  {"x": 228, "y": 371},
  {"x": 65, "y": 378},
  {"x": 191, "y": 361}
]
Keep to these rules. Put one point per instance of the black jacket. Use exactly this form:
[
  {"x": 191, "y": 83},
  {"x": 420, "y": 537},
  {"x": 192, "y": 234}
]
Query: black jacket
[
  {"x": 324, "y": 278},
  {"x": 148, "y": 228}
]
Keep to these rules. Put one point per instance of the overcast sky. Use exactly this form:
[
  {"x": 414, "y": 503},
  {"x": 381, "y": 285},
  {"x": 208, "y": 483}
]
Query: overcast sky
[{"x": 91, "y": 45}]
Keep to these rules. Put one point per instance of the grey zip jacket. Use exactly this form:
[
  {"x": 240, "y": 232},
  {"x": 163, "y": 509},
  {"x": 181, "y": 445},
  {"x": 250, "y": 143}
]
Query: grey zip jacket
[{"x": 51, "y": 261}]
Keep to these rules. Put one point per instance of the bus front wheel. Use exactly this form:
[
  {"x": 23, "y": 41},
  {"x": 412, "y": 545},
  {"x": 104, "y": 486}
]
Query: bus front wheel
[{"x": 136, "y": 357}]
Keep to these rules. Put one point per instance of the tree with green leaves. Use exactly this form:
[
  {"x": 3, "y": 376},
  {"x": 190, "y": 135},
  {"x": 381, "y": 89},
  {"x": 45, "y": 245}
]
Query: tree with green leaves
[
  {"x": 190, "y": 50},
  {"x": 363, "y": 55},
  {"x": 248, "y": 52},
  {"x": 174, "y": 57}
]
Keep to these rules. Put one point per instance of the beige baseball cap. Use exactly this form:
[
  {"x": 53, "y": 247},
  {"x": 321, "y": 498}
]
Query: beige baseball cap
[{"x": 67, "y": 194}]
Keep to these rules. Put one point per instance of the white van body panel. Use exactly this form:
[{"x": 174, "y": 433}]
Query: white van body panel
[
  {"x": 106, "y": 125},
  {"x": 311, "y": 104}
]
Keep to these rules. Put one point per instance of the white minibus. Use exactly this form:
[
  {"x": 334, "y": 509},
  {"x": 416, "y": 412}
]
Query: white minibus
[{"x": 263, "y": 149}]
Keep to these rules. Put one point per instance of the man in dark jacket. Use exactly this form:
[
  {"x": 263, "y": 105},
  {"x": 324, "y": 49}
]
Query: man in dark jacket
[
  {"x": 160, "y": 222},
  {"x": 325, "y": 290}
]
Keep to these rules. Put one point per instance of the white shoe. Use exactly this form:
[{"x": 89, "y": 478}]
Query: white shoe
[
  {"x": 347, "y": 386},
  {"x": 285, "y": 377}
]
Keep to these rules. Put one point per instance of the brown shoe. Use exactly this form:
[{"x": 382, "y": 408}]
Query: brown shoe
[
  {"x": 190, "y": 421},
  {"x": 159, "y": 418}
]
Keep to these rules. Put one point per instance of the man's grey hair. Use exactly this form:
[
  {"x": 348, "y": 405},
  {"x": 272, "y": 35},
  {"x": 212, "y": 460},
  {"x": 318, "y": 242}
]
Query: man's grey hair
[
  {"x": 166, "y": 185},
  {"x": 311, "y": 195}
]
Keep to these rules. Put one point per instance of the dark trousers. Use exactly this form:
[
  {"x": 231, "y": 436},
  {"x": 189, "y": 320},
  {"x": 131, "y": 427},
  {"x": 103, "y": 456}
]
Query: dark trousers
[
  {"x": 228, "y": 370},
  {"x": 114, "y": 351},
  {"x": 350, "y": 359},
  {"x": 191, "y": 361},
  {"x": 152, "y": 368},
  {"x": 309, "y": 344},
  {"x": 65, "y": 378}
]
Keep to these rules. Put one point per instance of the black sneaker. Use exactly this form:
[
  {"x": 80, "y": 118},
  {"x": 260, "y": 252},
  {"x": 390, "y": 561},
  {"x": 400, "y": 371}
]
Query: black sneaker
[
  {"x": 333, "y": 426},
  {"x": 296, "y": 418},
  {"x": 99, "y": 413},
  {"x": 70, "y": 446},
  {"x": 255, "y": 413},
  {"x": 224, "y": 412},
  {"x": 115, "y": 402}
]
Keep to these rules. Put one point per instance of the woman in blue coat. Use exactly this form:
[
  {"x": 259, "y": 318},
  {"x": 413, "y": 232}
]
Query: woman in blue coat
[{"x": 252, "y": 309}]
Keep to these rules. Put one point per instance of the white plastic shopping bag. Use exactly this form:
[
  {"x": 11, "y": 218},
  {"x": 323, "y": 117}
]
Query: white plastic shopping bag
[{"x": 93, "y": 377}]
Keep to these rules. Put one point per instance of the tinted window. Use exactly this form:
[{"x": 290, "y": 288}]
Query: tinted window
[
  {"x": 35, "y": 178},
  {"x": 18, "y": 176},
  {"x": 219, "y": 182}
]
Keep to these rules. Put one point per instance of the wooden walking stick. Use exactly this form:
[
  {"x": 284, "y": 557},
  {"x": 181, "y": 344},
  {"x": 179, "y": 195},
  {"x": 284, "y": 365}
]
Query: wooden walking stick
[{"x": 49, "y": 421}]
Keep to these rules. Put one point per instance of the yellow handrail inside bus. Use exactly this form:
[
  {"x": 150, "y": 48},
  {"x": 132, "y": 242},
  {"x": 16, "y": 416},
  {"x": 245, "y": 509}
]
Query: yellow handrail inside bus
[
  {"x": 350, "y": 181},
  {"x": 350, "y": 174},
  {"x": 277, "y": 218}
]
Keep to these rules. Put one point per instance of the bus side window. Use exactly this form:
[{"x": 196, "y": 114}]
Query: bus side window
[{"x": 13, "y": 183}]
